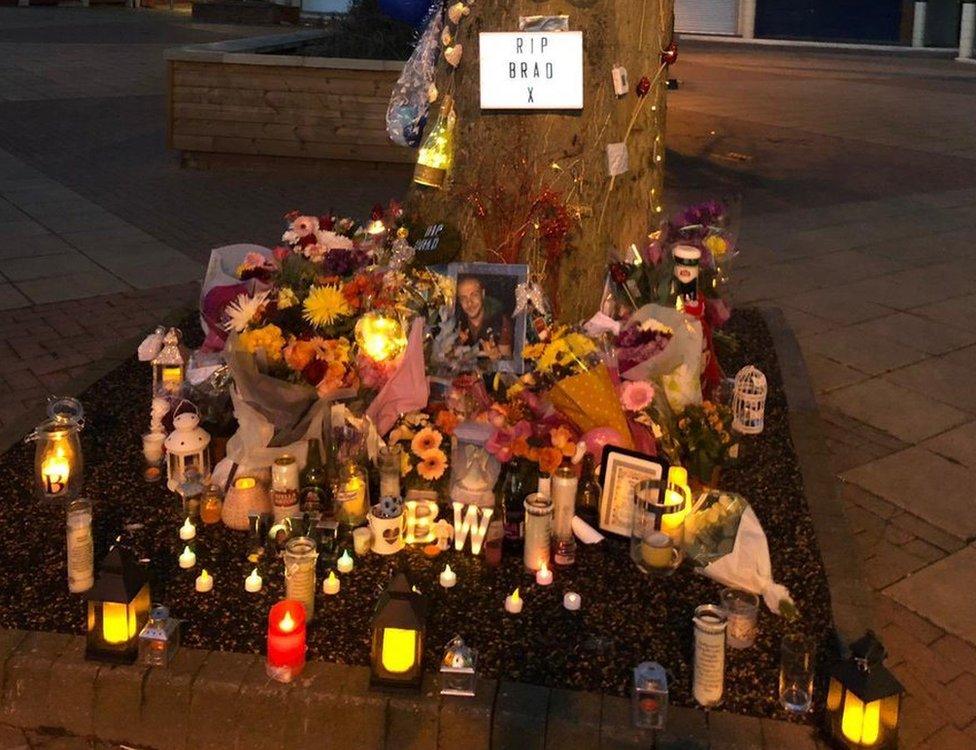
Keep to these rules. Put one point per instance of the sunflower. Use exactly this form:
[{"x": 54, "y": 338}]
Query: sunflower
[
  {"x": 426, "y": 440},
  {"x": 324, "y": 305},
  {"x": 432, "y": 465}
]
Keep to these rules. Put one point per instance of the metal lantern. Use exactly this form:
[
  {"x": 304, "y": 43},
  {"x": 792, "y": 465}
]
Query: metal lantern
[
  {"x": 749, "y": 401},
  {"x": 650, "y": 698},
  {"x": 169, "y": 366},
  {"x": 160, "y": 639},
  {"x": 458, "y": 676},
  {"x": 864, "y": 698},
  {"x": 118, "y": 608},
  {"x": 396, "y": 658},
  {"x": 187, "y": 445},
  {"x": 58, "y": 464}
]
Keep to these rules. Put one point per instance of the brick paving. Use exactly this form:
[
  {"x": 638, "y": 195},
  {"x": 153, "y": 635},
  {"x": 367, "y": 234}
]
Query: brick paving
[{"x": 858, "y": 194}]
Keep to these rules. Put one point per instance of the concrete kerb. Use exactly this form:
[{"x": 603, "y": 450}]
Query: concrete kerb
[{"x": 851, "y": 601}]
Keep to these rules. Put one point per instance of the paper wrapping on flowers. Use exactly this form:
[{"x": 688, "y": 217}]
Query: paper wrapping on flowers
[
  {"x": 588, "y": 399},
  {"x": 221, "y": 286},
  {"x": 678, "y": 366},
  {"x": 273, "y": 415},
  {"x": 407, "y": 390},
  {"x": 726, "y": 542}
]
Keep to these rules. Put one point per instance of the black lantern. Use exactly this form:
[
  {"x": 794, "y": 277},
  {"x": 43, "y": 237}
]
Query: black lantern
[
  {"x": 118, "y": 608},
  {"x": 396, "y": 658},
  {"x": 864, "y": 698}
]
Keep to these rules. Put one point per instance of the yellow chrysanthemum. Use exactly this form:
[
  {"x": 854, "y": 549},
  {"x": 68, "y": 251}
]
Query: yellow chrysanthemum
[
  {"x": 324, "y": 305},
  {"x": 580, "y": 345},
  {"x": 267, "y": 338}
]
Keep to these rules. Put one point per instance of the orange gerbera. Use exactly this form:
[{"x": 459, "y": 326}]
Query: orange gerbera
[
  {"x": 426, "y": 440},
  {"x": 549, "y": 459},
  {"x": 432, "y": 464},
  {"x": 446, "y": 421}
]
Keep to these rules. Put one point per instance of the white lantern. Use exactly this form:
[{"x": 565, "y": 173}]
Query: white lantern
[
  {"x": 186, "y": 446},
  {"x": 169, "y": 366},
  {"x": 749, "y": 401}
]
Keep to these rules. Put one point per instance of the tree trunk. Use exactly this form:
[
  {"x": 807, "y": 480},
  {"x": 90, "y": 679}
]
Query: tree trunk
[{"x": 504, "y": 160}]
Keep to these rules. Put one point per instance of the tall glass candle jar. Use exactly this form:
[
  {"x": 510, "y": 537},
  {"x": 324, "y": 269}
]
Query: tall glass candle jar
[
  {"x": 300, "y": 558},
  {"x": 538, "y": 531},
  {"x": 81, "y": 550},
  {"x": 58, "y": 464},
  {"x": 389, "y": 466},
  {"x": 709, "y": 675},
  {"x": 563, "y": 493},
  {"x": 351, "y": 495}
]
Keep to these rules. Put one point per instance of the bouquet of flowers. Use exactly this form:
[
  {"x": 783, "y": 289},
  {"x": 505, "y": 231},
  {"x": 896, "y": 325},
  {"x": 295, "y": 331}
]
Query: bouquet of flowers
[
  {"x": 538, "y": 442},
  {"x": 725, "y": 541},
  {"x": 700, "y": 438},
  {"x": 423, "y": 448}
]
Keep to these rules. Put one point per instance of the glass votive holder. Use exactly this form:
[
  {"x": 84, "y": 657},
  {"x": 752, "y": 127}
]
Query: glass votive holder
[
  {"x": 796, "y": 673},
  {"x": 742, "y": 610},
  {"x": 362, "y": 538},
  {"x": 152, "y": 451}
]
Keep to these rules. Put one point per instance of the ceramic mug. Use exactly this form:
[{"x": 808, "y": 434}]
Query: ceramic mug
[{"x": 387, "y": 533}]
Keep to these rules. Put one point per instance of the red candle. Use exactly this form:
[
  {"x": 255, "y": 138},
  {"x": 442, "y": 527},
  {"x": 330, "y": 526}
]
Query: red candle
[{"x": 286, "y": 640}]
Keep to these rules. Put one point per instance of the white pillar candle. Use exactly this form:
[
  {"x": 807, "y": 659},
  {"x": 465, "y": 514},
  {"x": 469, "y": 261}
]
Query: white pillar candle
[
  {"x": 543, "y": 576},
  {"x": 331, "y": 584},
  {"x": 187, "y": 531},
  {"x": 513, "y": 603},
  {"x": 572, "y": 601},
  {"x": 345, "y": 562},
  {"x": 204, "y": 582},
  {"x": 361, "y": 540},
  {"x": 188, "y": 558},
  {"x": 253, "y": 583},
  {"x": 448, "y": 577}
]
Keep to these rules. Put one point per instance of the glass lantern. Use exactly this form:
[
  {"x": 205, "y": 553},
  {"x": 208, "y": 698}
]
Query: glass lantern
[
  {"x": 474, "y": 470},
  {"x": 118, "y": 608},
  {"x": 458, "y": 676},
  {"x": 191, "y": 492},
  {"x": 58, "y": 463},
  {"x": 650, "y": 698},
  {"x": 657, "y": 531},
  {"x": 187, "y": 445},
  {"x": 169, "y": 366},
  {"x": 864, "y": 698},
  {"x": 380, "y": 337},
  {"x": 399, "y": 626},
  {"x": 160, "y": 639}
]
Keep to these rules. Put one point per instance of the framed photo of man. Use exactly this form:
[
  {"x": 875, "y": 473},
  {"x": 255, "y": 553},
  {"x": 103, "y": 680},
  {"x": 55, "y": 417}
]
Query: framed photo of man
[{"x": 484, "y": 309}]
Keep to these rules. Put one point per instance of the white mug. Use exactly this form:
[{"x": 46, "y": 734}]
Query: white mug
[{"x": 387, "y": 533}]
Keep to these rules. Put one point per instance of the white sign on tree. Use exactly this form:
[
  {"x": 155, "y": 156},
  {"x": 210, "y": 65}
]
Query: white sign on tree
[{"x": 531, "y": 70}]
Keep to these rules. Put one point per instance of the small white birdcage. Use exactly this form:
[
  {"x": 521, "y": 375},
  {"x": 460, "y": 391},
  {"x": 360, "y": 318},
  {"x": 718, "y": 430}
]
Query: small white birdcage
[{"x": 749, "y": 401}]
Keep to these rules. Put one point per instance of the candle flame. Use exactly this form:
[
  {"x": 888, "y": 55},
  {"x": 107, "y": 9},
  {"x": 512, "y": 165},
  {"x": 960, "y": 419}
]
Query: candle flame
[
  {"x": 544, "y": 569},
  {"x": 447, "y": 569},
  {"x": 187, "y": 552},
  {"x": 515, "y": 595},
  {"x": 287, "y": 623},
  {"x": 254, "y": 575},
  {"x": 332, "y": 575},
  {"x": 244, "y": 483},
  {"x": 204, "y": 575}
]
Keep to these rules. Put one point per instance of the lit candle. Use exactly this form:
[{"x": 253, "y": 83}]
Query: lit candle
[
  {"x": 345, "y": 563},
  {"x": 331, "y": 584},
  {"x": 286, "y": 640},
  {"x": 55, "y": 471},
  {"x": 572, "y": 601},
  {"x": 513, "y": 603},
  {"x": 187, "y": 531},
  {"x": 253, "y": 583},
  {"x": 543, "y": 576},
  {"x": 188, "y": 558},
  {"x": 448, "y": 577},
  {"x": 204, "y": 582},
  {"x": 362, "y": 538}
]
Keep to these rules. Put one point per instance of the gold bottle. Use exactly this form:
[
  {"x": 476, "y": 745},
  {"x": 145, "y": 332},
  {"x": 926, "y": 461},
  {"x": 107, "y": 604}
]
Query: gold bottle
[{"x": 436, "y": 155}]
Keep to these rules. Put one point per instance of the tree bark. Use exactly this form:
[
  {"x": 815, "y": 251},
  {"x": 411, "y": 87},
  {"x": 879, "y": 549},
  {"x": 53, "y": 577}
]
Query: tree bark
[{"x": 526, "y": 152}]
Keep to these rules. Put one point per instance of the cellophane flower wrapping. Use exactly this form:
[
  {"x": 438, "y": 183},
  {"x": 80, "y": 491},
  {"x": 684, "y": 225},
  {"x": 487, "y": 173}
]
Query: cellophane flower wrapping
[
  {"x": 725, "y": 541},
  {"x": 588, "y": 399},
  {"x": 409, "y": 103}
]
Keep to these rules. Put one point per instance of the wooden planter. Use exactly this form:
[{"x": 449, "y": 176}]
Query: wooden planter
[{"x": 238, "y": 102}]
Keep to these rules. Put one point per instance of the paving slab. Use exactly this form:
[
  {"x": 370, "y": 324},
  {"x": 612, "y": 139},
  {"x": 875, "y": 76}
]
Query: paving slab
[
  {"x": 838, "y": 304},
  {"x": 941, "y": 379},
  {"x": 926, "y": 485},
  {"x": 917, "y": 332},
  {"x": 901, "y": 412},
  {"x": 943, "y": 594},
  {"x": 957, "y": 444},
  {"x": 869, "y": 354}
]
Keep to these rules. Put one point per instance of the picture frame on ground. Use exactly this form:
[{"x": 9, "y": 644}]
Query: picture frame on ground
[
  {"x": 620, "y": 472},
  {"x": 484, "y": 310}
]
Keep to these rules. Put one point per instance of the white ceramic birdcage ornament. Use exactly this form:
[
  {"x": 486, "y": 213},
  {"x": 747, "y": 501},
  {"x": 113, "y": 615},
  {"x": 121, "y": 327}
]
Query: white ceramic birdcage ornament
[{"x": 749, "y": 401}]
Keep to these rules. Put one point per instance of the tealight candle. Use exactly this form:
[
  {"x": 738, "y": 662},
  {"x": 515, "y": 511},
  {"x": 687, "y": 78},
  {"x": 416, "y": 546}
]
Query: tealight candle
[
  {"x": 572, "y": 601},
  {"x": 331, "y": 584},
  {"x": 188, "y": 558},
  {"x": 345, "y": 562},
  {"x": 253, "y": 583},
  {"x": 448, "y": 577},
  {"x": 187, "y": 531},
  {"x": 543, "y": 576},
  {"x": 513, "y": 603},
  {"x": 204, "y": 582}
]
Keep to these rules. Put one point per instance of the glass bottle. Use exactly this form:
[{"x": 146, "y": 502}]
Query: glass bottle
[
  {"x": 314, "y": 495},
  {"x": 588, "y": 492},
  {"x": 81, "y": 548},
  {"x": 436, "y": 155},
  {"x": 389, "y": 465},
  {"x": 563, "y": 493},
  {"x": 516, "y": 484},
  {"x": 351, "y": 493},
  {"x": 211, "y": 504}
]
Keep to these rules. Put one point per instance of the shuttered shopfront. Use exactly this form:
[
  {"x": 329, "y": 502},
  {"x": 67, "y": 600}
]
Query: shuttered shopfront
[{"x": 706, "y": 16}]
